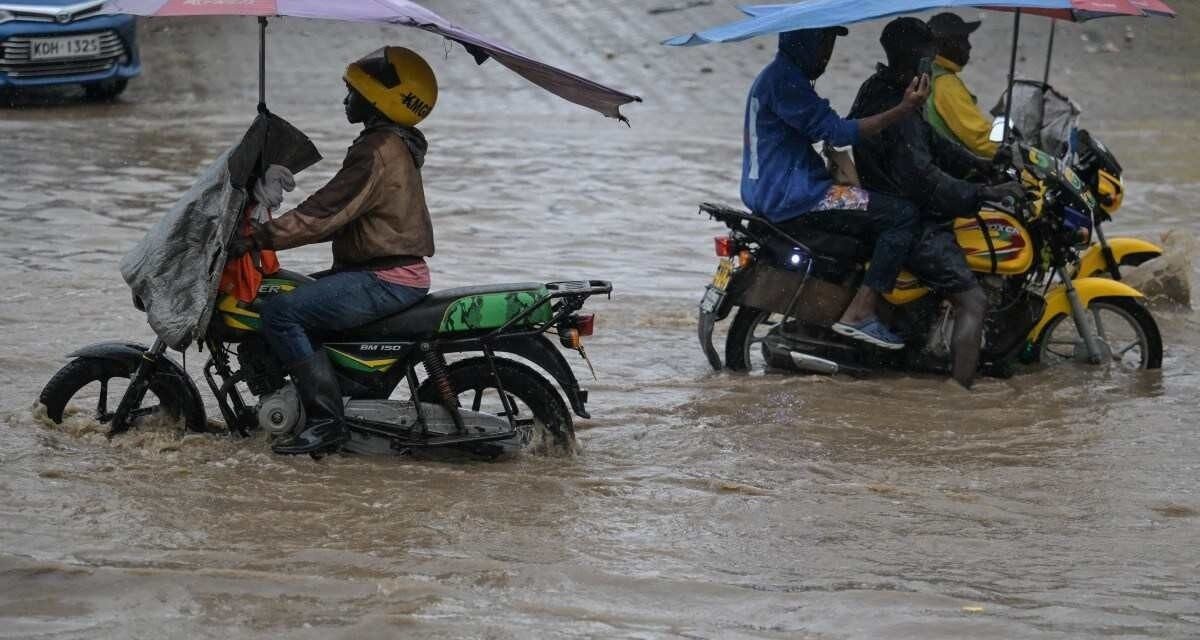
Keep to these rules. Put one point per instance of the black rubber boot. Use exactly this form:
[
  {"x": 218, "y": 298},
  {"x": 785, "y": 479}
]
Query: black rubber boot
[{"x": 325, "y": 430}]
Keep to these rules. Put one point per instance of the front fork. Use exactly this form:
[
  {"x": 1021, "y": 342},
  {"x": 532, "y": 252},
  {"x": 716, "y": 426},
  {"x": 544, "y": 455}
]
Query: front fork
[
  {"x": 139, "y": 384},
  {"x": 1110, "y": 260},
  {"x": 1080, "y": 314}
]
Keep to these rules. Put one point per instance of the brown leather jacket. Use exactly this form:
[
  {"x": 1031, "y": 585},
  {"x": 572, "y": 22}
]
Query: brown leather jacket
[{"x": 373, "y": 209}]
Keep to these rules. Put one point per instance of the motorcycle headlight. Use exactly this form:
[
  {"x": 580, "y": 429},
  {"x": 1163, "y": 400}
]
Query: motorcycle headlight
[{"x": 1110, "y": 192}]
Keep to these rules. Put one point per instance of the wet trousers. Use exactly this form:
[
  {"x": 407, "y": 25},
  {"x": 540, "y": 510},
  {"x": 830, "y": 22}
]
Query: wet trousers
[{"x": 340, "y": 301}]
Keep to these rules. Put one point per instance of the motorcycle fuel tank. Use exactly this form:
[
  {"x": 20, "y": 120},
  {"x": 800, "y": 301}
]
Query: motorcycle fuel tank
[
  {"x": 1012, "y": 244},
  {"x": 240, "y": 319}
]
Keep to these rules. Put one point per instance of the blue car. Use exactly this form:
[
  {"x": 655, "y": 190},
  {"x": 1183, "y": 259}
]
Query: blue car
[{"x": 64, "y": 42}]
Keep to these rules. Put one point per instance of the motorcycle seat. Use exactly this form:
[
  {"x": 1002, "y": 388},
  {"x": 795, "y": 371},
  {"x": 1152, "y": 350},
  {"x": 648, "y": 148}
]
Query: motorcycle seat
[
  {"x": 833, "y": 245},
  {"x": 842, "y": 248},
  {"x": 423, "y": 319}
]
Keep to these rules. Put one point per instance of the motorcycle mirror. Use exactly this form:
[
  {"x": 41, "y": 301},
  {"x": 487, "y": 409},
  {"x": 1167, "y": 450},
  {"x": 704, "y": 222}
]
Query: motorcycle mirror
[{"x": 997, "y": 134}]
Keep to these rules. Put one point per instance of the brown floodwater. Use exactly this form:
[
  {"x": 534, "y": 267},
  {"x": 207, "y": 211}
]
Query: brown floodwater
[{"x": 1057, "y": 504}]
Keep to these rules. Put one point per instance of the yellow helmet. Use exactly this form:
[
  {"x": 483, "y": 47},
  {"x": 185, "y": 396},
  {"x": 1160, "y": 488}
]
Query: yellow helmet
[
  {"x": 406, "y": 98},
  {"x": 1111, "y": 192}
]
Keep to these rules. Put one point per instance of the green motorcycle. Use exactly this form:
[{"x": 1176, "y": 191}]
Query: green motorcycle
[{"x": 484, "y": 402}]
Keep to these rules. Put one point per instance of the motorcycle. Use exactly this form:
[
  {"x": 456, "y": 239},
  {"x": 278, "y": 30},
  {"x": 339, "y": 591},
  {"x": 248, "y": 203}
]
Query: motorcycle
[
  {"x": 484, "y": 403},
  {"x": 789, "y": 289}
]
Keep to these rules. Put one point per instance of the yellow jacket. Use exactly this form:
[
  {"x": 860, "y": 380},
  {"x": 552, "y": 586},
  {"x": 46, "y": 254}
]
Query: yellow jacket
[{"x": 952, "y": 110}]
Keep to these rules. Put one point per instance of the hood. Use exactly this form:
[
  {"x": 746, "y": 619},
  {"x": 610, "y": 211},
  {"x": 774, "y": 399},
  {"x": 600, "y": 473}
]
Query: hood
[{"x": 803, "y": 46}]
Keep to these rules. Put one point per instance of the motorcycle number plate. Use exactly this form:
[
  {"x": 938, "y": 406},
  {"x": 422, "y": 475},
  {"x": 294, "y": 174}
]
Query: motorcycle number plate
[
  {"x": 724, "y": 273},
  {"x": 712, "y": 299}
]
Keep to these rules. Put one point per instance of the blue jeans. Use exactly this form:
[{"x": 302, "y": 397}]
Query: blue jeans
[{"x": 337, "y": 302}]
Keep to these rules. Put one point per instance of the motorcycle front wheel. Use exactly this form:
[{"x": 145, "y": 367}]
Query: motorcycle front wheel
[
  {"x": 101, "y": 382},
  {"x": 1128, "y": 334}
]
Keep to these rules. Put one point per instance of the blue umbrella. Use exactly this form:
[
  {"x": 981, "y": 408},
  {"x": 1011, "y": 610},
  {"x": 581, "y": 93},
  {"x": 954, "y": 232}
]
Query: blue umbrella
[{"x": 771, "y": 19}]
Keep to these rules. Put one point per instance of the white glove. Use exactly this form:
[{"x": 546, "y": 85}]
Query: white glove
[{"x": 268, "y": 191}]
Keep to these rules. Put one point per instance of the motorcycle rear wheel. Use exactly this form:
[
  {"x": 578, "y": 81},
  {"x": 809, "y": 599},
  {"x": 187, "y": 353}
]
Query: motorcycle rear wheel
[
  {"x": 743, "y": 345},
  {"x": 163, "y": 398},
  {"x": 543, "y": 421},
  {"x": 1127, "y": 329}
]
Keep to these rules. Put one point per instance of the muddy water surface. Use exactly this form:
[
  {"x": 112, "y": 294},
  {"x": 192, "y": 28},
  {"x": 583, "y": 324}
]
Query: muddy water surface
[{"x": 1059, "y": 504}]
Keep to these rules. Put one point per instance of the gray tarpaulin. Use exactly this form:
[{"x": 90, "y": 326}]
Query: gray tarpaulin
[
  {"x": 175, "y": 270},
  {"x": 1044, "y": 118}
]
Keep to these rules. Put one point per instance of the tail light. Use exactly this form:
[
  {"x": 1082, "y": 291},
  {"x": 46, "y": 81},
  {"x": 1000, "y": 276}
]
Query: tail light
[
  {"x": 723, "y": 246},
  {"x": 585, "y": 324},
  {"x": 574, "y": 329}
]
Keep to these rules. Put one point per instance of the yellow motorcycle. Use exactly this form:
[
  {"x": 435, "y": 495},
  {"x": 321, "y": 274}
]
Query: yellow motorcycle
[{"x": 786, "y": 291}]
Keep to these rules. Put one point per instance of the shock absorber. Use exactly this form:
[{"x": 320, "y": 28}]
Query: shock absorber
[{"x": 435, "y": 366}]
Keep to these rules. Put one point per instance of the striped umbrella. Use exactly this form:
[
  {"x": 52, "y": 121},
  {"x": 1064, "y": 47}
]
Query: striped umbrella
[{"x": 568, "y": 86}]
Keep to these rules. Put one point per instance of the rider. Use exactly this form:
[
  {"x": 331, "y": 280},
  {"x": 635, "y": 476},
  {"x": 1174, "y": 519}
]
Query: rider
[
  {"x": 952, "y": 110},
  {"x": 910, "y": 161},
  {"x": 374, "y": 212},
  {"x": 785, "y": 181}
]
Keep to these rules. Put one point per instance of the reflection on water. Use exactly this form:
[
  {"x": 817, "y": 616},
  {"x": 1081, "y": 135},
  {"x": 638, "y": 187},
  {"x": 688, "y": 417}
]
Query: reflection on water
[{"x": 1056, "y": 504}]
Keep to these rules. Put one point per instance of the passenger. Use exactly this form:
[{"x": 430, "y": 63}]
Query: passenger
[
  {"x": 374, "y": 212},
  {"x": 785, "y": 181},
  {"x": 952, "y": 110},
  {"x": 910, "y": 161}
]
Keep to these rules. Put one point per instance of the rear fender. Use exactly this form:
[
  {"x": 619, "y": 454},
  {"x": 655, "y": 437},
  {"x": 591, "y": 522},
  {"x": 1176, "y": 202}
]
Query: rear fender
[
  {"x": 168, "y": 370},
  {"x": 542, "y": 352},
  {"x": 1128, "y": 252},
  {"x": 1089, "y": 289}
]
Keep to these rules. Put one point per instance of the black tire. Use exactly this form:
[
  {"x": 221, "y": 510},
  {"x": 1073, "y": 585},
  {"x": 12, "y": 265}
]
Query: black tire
[
  {"x": 739, "y": 342},
  {"x": 81, "y": 372},
  {"x": 1135, "y": 312},
  {"x": 525, "y": 384},
  {"x": 106, "y": 91}
]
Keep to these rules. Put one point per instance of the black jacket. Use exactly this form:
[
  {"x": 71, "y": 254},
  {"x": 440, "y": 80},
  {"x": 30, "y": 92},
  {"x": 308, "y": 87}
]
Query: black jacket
[{"x": 909, "y": 159}]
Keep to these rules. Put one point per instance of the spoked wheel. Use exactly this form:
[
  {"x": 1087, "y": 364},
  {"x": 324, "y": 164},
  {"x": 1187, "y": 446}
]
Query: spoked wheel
[
  {"x": 97, "y": 384},
  {"x": 744, "y": 345},
  {"x": 1128, "y": 335},
  {"x": 543, "y": 421}
]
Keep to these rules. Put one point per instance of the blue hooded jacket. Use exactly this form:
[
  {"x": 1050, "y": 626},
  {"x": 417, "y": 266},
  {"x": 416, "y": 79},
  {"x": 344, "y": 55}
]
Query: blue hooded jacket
[{"x": 782, "y": 175}]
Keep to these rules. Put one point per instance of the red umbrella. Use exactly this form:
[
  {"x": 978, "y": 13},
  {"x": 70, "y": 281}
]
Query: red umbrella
[
  {"x": 568, "y": 86},
  {"x": 1080, "y": 11}
]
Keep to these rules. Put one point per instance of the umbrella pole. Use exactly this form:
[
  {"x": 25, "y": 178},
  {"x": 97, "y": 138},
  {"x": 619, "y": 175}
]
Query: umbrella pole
[
  {"x": 1049, "y": 52},
  {"x": 1012, "y": 72},
  {"x": 262, "y": 63},
  {"x": 1046, "y": 81}
]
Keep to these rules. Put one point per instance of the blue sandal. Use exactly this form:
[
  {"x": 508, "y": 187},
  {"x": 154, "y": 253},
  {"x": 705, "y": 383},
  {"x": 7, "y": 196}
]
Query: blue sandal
[{"x": 872, "y": 332}]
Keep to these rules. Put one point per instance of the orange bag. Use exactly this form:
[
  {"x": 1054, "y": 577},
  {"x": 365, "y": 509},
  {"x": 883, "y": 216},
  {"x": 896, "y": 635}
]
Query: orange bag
[{"x": 243, "y": 275}]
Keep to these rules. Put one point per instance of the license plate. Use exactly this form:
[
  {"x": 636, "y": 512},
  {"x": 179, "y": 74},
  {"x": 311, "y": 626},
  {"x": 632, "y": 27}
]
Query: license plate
[
  {"x": 68, "y": 47},
  {"x": 712, "y": 299},
  {"x": 724, "y": 273}
]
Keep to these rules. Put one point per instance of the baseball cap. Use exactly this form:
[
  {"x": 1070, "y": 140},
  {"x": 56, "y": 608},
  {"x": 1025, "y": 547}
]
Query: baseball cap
[{"x": 950, "y": 24}]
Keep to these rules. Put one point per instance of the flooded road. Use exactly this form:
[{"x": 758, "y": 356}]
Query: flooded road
[{"x": 1060, "y": 504}]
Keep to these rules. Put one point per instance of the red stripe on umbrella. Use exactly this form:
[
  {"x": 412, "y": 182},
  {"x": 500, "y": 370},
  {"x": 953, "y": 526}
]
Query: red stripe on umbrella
[
  {"x": 218, "y": 8},
  {"x": 1082, "y": 10},
  {"x": 1154, "y": 7}
]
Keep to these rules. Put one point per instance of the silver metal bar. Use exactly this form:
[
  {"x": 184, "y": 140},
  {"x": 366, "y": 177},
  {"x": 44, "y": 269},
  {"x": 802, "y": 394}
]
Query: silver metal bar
[{"x": 1080, "y": 315}]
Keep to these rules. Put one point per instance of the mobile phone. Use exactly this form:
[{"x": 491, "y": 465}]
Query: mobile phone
[{"x": 925, "y": 67}]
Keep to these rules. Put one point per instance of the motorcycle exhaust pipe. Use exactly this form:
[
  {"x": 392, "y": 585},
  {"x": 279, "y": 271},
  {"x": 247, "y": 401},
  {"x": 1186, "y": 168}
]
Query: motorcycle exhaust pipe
[{"x": 813, "y": 363}]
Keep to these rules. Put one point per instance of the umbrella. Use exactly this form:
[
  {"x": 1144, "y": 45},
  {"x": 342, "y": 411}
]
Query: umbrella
[{"x": 568, "y": 86}]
